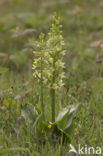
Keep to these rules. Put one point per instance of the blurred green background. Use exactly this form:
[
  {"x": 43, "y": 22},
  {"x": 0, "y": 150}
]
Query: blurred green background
[{"x": 21, "y": 20}]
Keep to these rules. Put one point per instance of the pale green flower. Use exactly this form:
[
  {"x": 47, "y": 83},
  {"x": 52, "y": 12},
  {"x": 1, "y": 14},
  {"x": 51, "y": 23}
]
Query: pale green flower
[
  {"x": 55, "y": 86},
  {"x": 55, "y": 55},
  {"x": 48, "y": 66}
]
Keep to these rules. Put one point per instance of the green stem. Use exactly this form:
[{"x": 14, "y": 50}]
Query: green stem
[
  {"x": 42, "y": 96},
  {"x": 53, "y": 104},
  {"x": 42, "y": 101},
  {"x": 53, "y": 93}
]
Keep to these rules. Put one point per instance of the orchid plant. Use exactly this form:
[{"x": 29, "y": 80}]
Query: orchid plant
[
  {"x": 48, "y": 65},
  {"x": 48, "y": 71}
]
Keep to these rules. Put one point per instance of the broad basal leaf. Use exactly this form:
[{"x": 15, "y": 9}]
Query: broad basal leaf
[
  {"x": 65, "y": 117},
  {"x": 29, "y": 113}
]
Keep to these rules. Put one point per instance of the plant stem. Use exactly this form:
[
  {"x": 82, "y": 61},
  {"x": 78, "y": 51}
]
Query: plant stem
[
  {"x": 53, "y": 104},
  {"x": 53, "y": 93},
  {"x": 42, "y": 96},
  {"x": 42, "y": 101}
]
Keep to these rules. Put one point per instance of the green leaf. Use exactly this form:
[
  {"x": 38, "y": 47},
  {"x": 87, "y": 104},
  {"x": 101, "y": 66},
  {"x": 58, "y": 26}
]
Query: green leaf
[
  {"x": 29, "y": 113},
  {"x": 61, "y": 119},
  {"x": 61, "y": 133},
  {"x": 71, "y": 116},
  {"x": 62, "y": 114},
  {"x": 65, "y": 117}
]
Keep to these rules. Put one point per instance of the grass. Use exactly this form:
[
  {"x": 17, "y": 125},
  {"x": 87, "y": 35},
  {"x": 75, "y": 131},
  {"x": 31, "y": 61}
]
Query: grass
[{"x": 82, "y": 30}]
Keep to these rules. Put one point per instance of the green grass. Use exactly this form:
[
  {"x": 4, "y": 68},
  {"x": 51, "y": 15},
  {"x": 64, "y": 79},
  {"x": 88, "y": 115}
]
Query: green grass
[{"x": 21, "y": 20}]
